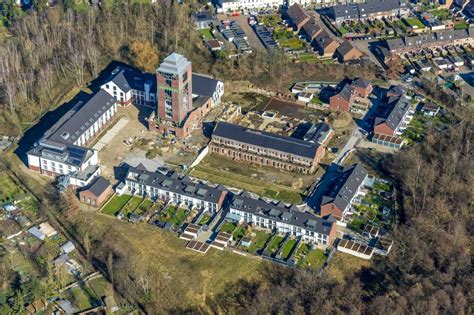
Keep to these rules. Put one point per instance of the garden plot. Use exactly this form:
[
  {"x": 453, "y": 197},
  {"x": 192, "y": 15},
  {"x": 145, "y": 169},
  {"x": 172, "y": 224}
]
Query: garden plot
[
  {"x": 227, "y": 227},
  {"x": 307, "y": 257},
  {"x": 115, "y": 204},
  {"x": 174, "y": 215},
  {"x": 287, "y": 249},
  {"x": 274, "y": 244},
  {"x": 258, "y": 242}
]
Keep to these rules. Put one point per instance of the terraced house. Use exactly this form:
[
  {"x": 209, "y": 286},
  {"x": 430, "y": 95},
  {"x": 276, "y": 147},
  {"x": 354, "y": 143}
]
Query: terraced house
[
  {"x": 283, "y": 219},
  {"x": 265, "y": 148},
  {"x": 395, "y": 118},
  {"x": 167, "y": 185}
]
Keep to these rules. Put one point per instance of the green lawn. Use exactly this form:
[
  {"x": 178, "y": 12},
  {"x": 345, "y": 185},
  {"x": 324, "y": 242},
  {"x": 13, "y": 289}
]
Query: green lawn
[
  {"x": 269, "y": 20},
  {"x": 285, "y": 252},
  {"x": 292, "y": 43},
  {"x": 205, "y": 219},
  {"x": 9, "y": 190},
  {"x": 174, "y": 215},
  {"x": 82, "y": 298},
  {"x": 239, "y": 232},
  {"x": 315, "y": 259},
  {"x": 461, "y": 25},
  {"x": 414, "y": 23},
  {"x": 206, "y": 34},
  {"x": 275, "y": 243},
  {"x": 441, "y": 14},
  {"x": 258, "y": 241},
  {"x": 227, "y": 227},
  {"x": 115, "y": 204},
  {"x": 307, "y": 57},
  {"x": 342, "y": 30},
  {"x": 144, "y": 207},
  {"x": 316, "y": 100},
  {"x": 357, "y": 223}
]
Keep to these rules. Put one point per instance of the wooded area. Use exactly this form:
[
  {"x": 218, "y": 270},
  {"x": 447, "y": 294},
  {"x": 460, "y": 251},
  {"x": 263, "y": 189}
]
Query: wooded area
[{"x": 39, "y": 65}]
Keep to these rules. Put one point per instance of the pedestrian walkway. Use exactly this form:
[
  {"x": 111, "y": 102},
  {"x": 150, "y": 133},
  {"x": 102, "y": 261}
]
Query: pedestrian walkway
[{"x": 110, "y": 134}]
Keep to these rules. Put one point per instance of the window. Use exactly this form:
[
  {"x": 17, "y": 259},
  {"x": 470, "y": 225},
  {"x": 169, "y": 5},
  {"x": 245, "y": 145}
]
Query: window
[{"x": 107, "y": 86}]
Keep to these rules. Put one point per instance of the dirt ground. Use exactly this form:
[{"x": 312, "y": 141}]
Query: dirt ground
[{"x": 146, "y": 145}]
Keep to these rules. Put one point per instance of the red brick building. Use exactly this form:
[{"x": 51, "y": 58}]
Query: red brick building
[
  {"x": 343, "y": 100},
  {"x": 96, "y": 193},
  {"x": 362, "y": 87}
]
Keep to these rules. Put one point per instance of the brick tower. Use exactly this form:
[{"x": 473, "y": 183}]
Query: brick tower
[{"x": 174, "y": 78}]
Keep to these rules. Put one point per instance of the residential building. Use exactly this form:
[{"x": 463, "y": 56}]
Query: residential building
[
  {"x": 312, "y": 29},
  {"x": 204, "y": 85},
  {"x": 85, "y": 121},
  {"x": 229, "y": 6},
  {"x": 343, "y": 100},
  {"x": 169, "y": 186},
  {"x": 297, "y": 16},
  {"x": 345, "y": 190},
  {"x": 184, "y": 98},
  {"x": 283, "y": 219},
  {"x": 203, "y": 19},
  {"x": 325, "y": 44},
  {"x": 214, "y": 45},
  {"x": 265, "y": 148},
  {"x": 96, "y": 193},
  {"x": 370, "y": 10},
  {"x": 131, "y": 86},
  {"x": 430, "y": 109},
  {"x": 395, "y": 118},
  {"x": 54, "y": 159},
  {"x": 430, "y": 40},
  {"x": 362, "y": 87},
  {"x": 319, "y": 133},
  {"x": 305, "y": 97},
  {"x": 347, "y": 52}
]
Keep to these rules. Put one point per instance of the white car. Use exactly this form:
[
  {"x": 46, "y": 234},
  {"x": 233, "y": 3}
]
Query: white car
[{"x": 408, "y": 79}]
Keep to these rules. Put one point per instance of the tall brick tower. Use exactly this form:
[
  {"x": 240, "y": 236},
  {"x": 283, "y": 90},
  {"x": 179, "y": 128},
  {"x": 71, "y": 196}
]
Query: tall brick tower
[{"x": 174, "y": 78}]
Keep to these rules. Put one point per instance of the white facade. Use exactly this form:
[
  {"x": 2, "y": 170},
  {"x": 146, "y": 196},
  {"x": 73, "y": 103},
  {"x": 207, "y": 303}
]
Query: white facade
[
  {"x": 281, "y": 227},
  {"x": 233, "y": 6},
  {"x": 176, "y": 198},
  {"x": 137, "y": 97},
  {"x": 97, "y": 126}
]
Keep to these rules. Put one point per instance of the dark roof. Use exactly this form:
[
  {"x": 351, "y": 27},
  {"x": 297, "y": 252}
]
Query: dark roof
[
  {"x": 345, "y": 48},
  {"x": 203, "y": 16},
  {"x": 396, "y": 90},
  {"x": 265, "y": 139},
  {"x": 397, "y": 107},
  {"x": 127, "y": 78},
  {"x": 170, "y": 181},
  {"x": 65, "y": 153},
  {"x": 361, "y": 10},
  {"x": 281, "y": 213},
  {"x": 98, "y": 186},
  {"x": 345, "y": 186},
  {"x": 347, "y": 92},
  {"x": 297, "y": 14},
  {"x": 76, "y": 121},
  {"x": 311, "y": 28},
  {"x": 361, "y": 83},
  {"x": 430, "y": 106},
  {"x": 204, "y": 85},
  {"x": 317, "y": 133},
  {"x": 323, "y": 40},
  {"x": 433, "y": 39}
]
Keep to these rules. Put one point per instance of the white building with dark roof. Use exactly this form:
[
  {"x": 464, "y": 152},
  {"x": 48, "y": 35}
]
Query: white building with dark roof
[{"x": 283, "y": 219}]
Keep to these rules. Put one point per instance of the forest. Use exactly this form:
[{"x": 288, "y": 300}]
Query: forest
[
  {"x": 41, "y": 66},
  {"x": 49, "y": 53}
]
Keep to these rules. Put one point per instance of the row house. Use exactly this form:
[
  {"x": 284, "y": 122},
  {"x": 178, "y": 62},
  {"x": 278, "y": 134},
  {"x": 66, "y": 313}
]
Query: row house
[
  {"x": 345, "y": 190},
  {"x": 395, "y": 118},
  {"x": 283, "y": 219},
  {"x": 228, "y": 6},
  {"x": 431, "y": 40},
  {"x": 343, "y": 100},
  {"x": 370, "y": 10},
  {"x": 265, "y": 148},
  {"x": 297, "y": 16},
  {"x": 129, "y": 85},
  {"x": 167, "y": 185}
]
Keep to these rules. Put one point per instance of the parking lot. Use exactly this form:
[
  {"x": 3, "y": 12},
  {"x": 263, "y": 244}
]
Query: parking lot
[{"x": 252, "y": 38}]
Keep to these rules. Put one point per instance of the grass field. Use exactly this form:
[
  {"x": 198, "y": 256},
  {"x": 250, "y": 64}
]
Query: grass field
[
  {"x": 285, "y": 252},
  {"x": 178, "y": 278},
  {"x": 174, "y": 215},
  {"x": 205, "y": 219},
  {"x": 314, "y": 259},
  {"x": 258, "y": 241},
  {"x": 275, "y": 243},
  {"x": 239, "y": 232},
  {"x": 227, "y": 172},
  {"x": 343, "y": 265},
  {"x": 227, "y": 227},
  {"x": 461, "y": 25},
  {"x": 414, "y": 23},
  {"x": 292, "y": 43},
  {"x": 9, "y": 190},
  {"x": 115, "y": 204},
  {"x": 206, "y": 34},
  {"x": 132, "y": 205}
]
